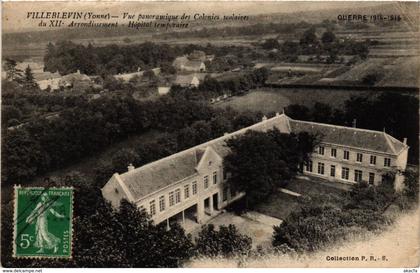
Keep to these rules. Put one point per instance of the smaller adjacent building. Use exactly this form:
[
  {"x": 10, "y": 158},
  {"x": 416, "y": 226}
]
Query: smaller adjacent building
[{"x": 184, "y": 64}]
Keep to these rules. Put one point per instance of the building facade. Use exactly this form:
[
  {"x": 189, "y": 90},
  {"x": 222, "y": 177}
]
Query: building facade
[{"x": 191, "y": 185}]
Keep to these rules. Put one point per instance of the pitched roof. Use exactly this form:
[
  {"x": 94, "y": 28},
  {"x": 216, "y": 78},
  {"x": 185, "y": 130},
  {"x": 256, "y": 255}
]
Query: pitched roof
[
  {"x": 349, "y": 136},
  {"x": 193, "y": 64},
  {"x": 184, "y": 79},
  {"x": 158, "y": 174},
  {"x": 174, "y": 168},
  {"x": 180, "y": 61}
]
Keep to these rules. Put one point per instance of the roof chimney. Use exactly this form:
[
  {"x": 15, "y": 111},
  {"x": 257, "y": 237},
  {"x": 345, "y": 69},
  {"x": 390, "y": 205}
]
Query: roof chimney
[
  {"x": 405, "y": 141},
  {"x": 226, "y": 133},
  {"x": 130, "y": 167},
  {"x": 277, "y": 114},
  {"x": 264, "y": 118},
  {"x": 354, "y": 123}
]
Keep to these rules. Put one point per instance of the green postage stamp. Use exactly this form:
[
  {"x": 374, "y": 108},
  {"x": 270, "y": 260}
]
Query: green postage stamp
[{"x": 43, "y": 222}]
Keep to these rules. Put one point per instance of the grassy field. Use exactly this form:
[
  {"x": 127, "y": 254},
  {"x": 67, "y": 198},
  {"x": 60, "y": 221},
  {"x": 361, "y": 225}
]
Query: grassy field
[
  {"x": 275, "y": 99},
  {"x": 257, "y": 101},
  {"x": 280, "y": 204},
  {"x": 402, "y": 71}
]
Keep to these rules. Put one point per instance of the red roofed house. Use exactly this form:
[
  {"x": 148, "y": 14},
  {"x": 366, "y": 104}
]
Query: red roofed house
[{"x": 191, "y": 184}]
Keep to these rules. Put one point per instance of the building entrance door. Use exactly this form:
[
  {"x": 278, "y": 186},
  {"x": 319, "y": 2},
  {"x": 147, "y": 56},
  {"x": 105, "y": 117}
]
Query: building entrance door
[{"x": 215, "y": 201}]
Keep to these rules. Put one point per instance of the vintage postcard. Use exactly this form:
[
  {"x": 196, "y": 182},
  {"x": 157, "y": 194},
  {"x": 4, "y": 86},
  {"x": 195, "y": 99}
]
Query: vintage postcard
[{"x": 244, "y": 134}]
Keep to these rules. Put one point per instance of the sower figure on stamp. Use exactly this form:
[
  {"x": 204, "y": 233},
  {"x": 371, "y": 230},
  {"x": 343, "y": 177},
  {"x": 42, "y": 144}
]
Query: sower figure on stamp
[{"x": 44, "y": 239}]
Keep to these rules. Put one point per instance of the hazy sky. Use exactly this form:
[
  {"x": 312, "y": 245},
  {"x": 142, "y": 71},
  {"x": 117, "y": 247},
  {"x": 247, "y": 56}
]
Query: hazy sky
[{"x": 14, "y": 13}]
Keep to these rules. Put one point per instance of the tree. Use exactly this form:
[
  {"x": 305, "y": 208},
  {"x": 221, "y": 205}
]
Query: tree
[
  {"x": 320, "y": 223},
  {"x": 328, "y": 37},
  {"x": 110, "y": 238},
  {"x": 322, "y": 112},
  {"x": 12, "y": 72},
  {"x": 28, "y": 79},
  {"x": 309, "y": 37},
  {"x": 226, "y": 241},
  {"x": 411, "y": 184},
  {"x": 260, "y": 162},
  {"x": 271, "y": 44},
  {"x": 297, "y": 111}
]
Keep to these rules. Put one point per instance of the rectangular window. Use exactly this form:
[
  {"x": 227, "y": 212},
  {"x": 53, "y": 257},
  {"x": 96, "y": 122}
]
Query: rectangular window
[
  {"x": 214, "y": 177},
  {"x": 224, "y": 174},
  {"x": 162, "y": 203},
  {"x": 321, "y": 150},
  {"x": 359, "y": 157},
  {"x": 345, "y": 173},
  {"x": 225, "y": 193},
  {"x": 177, "y": 196},
  {"x": 152, "y": 207},
  {"x": 333, "y": 152},
  {"x": 206, "y": 181},
  {"x": 373, "y": 160},
  {"x": 346, "y": 155},
  {"x": 186, "y": 191},
  {"x": 358, "y": 175},
  {"x": 387, "y": 162},
  {"x": 194, "y": 187},
  {"x": 371, "y": 178},
  {"x": 320, "y": 168},
  {"x": 309, "y": 166},
  {"x": 332, "y": 171},
  {"x": 171, "y": 199}
]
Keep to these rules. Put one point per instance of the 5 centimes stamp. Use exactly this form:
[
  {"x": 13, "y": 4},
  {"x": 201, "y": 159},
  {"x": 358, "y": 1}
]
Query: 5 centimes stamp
[{"x": 43, "y": 222}]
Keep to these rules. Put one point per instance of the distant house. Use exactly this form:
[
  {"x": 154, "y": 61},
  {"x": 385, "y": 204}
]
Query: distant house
[
  {"x": 126, "y": 77},
  {"x": 52, "y": 83},
  {"x": 156, "y": 71},
  {"x": 76, "y": 80},
  {"x": 187, "y": 65},
  {"x": 187, "y": 80},
  {"x": 197, "y": 55},
  {"x": 194, "y": 66},
  {"x": 210, "y": 57},
  {"x": 44, "y": 79},
  {"x": 163, "y": 90}
]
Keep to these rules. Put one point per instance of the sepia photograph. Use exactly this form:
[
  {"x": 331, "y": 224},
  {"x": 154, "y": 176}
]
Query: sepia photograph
[{"x": 210, "y": 134}]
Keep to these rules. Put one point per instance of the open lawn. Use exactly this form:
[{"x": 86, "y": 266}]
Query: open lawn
[
  {"x": 280, "y": 204},
  {"x": 275, "y": 99},
  {"x": 257, "y": 101},
  {"x": 256, "y": 225}
]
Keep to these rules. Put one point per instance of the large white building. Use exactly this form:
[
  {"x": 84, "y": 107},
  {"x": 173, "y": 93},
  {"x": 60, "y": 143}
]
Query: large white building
[{"x": 191, "y": 184}]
